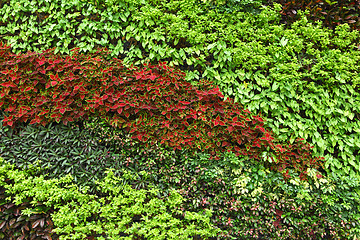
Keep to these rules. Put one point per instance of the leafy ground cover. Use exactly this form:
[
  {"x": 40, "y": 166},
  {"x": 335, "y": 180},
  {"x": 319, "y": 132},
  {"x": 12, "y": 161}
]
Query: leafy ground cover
[{"x": 121, "y": 213}]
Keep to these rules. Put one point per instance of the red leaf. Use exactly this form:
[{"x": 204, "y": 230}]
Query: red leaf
[
  {"x": 185, "y": 103},
  {"x": 152, "y": 77},
  {"x": 7, "y": 71},
  {"x": 54, "y": 77},
  {"x": 62, "y": 110},
  {"x": 8, "y": 84},
  {"x": 2, "y": 224},
  {"x": 70, "y": 119},
  {"x": 118, "y": 105},
  {"x": 10, "y": 109},
  {"x": 230, "y": 128},
  {"x": 139, "y": 137},
  {"x": 35, "y": 224},
  {"x": 55, "y": 115},
  {"x": 53, "y": 83},
  {"x": 127, "y": 114},
  {"x": 44, "y": 111},
  {"x": 119, "y": 110},
  {"x": 33, "y": 121},
  {"x": 28, "y": 89},
  {"x": 41, "y": 61}
]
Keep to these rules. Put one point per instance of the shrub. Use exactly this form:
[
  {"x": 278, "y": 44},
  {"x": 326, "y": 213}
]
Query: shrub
[
  {"x": 250, "y": 202},
  {"x": 153, "y": 103},
  {"x": 58, "y": 150},
  {"x": 120, "y": 213}
]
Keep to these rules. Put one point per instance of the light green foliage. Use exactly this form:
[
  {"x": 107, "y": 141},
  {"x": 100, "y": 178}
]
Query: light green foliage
[{"x": 121, "y": 209}]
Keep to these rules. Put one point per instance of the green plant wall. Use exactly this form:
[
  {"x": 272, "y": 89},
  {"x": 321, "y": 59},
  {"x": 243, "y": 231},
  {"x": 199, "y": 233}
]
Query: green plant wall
[{"x": 303, "y": 77}]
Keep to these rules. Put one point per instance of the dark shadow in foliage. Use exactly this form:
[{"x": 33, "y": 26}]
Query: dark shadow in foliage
[
  {"x": 16, "y": 226},
  {"x": 330, "y": 13},
  {"x": 59, "y": 150}
]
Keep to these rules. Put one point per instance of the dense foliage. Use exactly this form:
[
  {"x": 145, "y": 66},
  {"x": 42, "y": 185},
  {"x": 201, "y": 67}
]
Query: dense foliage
[
  {"x": 329, "y": 13},
  {"x": 153, "y": 103},
  {"x": 121, "y": 212},
  {"x": 259, "y": 76},
  {"x": 303, "y": 77},
  {"x": 246, "y": 199},
  {"x": 16, "y": 226},
  {"x": 59, "y": 150}
]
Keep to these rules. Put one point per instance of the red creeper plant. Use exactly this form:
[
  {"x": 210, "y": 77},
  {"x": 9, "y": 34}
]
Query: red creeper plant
[{"x": 154, "y": 103}]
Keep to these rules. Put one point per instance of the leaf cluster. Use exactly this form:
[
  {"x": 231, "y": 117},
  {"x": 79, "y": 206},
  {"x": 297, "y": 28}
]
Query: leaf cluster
[
  {"x": 329, "y": 13},
  {"x": 240, "y": 192},
  {"x": 249, "y": 201},
  {"x": 14, "y": 225},
  {"x": 153, "y": 103},
  {"x": 59, "y": 150},
  {"x": 121, "y": 213}
]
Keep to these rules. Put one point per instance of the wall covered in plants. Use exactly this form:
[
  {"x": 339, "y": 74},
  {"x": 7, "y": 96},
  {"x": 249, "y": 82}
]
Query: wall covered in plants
[
  {"x": 208, "y": 108},
  {"x": 302, "y": 76}
]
